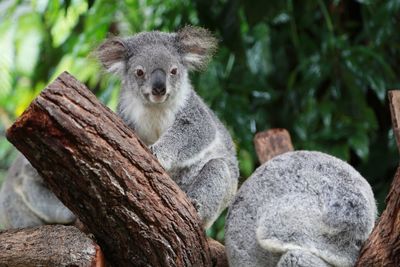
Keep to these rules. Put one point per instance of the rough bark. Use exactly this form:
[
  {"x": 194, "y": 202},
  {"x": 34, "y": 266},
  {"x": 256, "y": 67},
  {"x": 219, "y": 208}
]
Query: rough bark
[
  {"x": 383, "y": 245},
  {"x": 218, "y": 254},
  {"x": 50, "y": 245},
  {"x": 271, "y": 143},
  {"x": 100, "y": 170},
  {"x": 394, "y": 104}
]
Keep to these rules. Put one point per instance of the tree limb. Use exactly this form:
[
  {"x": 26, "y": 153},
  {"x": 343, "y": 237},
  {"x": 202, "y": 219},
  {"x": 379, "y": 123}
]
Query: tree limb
[
  {"x": 49, "y": 245},
  {"x": 383, "y": 245},
  {"x": 271, "y": 143},
  {"x": 101, "y": 171}
]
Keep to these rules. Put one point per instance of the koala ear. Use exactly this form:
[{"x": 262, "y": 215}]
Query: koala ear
[
  {"x": 196, "y": 46},
  {"x": 112, "y": 54}
]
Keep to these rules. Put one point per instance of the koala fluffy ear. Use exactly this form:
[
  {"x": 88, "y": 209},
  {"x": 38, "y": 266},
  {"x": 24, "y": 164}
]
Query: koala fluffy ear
[
  {"x": 196, "y": 45},
  {"x": 112, "y": 54}
]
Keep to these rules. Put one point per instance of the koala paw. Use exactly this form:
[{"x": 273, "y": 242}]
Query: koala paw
[
  {"x": 299, "y": 258},
  {"x": 196, "y": 204},
  {"x": 163, "y": 158}
]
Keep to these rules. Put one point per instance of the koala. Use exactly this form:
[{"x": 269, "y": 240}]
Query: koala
[
  {"x": 25, "y": 201},
  {"x": 158, "y": 102},
  {"x": 304, "y": 209}
]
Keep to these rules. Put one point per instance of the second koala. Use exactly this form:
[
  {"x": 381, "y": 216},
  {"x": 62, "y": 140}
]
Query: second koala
[
  {"x": 159, "y": 103},
  {"x": 300, "y": 209},
  {"x": 25, "y": 201}
]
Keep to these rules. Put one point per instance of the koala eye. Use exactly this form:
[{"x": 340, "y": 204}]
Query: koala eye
[
  {"x": 139, "y": 72},
  {"x": 174, "y": 71}
]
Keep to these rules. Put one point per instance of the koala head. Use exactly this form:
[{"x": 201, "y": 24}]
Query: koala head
[{"x": 155, "y": 65}]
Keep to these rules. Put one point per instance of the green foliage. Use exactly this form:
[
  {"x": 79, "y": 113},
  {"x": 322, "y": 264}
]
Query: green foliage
[{"x": 320, "y": 69}]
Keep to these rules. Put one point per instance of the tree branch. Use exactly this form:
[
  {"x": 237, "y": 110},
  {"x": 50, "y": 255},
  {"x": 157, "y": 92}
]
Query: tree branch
[
  {"x": 383, "y": 245},
  {"x": 50, "y": 245},
  {"x": 102, "y": 172},
  {"x": 271, "y": 143}
]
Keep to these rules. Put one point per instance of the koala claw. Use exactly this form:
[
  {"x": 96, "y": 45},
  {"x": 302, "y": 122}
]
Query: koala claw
[
  {"x": 165, "y": 161},
  {"x": 196, "y": 204}
]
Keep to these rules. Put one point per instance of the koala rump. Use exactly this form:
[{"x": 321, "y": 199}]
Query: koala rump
[{"x": 300, "y": 209}]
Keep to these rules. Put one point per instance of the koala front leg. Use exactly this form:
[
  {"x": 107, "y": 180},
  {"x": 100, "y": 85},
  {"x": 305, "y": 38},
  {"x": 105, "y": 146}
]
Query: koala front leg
[
  {"x": 300, "y": 258},
  {"x": 211, "y": 190},
  {"x": 184, "y": 141}
]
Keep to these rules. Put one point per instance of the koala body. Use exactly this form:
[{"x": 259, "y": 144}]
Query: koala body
[
  {"x": 25, "y": 201},
  {"x": 159, "y": 103},
  {"x": 301, "y": 208}
]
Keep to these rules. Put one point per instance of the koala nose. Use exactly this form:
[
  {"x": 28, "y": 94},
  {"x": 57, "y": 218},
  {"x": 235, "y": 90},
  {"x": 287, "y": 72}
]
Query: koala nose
[
  {"x": 158, "y": 81},
  {"x": 158, "y": 90}
]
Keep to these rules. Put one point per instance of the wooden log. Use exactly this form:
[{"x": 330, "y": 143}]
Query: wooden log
[
  {"x": 100, "y": 170},
  {"x": 383, "y": 245},
  {"x": 50, "y": 245},
  {"x": 394, "y": 104},
  {"x": 271, "y": 143},
  {"x": 218, "y": 254}
]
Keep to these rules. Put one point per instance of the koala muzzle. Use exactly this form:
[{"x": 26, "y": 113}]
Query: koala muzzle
[{"x": 158, "y": 81}]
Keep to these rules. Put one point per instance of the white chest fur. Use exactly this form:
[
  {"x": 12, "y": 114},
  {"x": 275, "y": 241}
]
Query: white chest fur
[{"x": 151, "y": 123}]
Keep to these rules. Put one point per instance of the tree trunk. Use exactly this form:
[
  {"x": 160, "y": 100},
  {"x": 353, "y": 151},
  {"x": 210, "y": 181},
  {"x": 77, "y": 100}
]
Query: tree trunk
[
  {"x": 383, "y": 245},
  {"x": 50, "y": 245},
  {"x": 271, "y": 143},
  {"x": 102, "y": 172}
]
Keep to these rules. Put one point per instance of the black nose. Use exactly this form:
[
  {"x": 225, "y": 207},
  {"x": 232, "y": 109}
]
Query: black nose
[
  {"x": 158, "y": 80},
  {"x": 158, "y": 90}
]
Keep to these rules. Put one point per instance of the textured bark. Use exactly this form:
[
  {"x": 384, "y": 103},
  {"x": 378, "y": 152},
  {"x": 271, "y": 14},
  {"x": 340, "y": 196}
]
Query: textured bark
[
  {"x": 271, "y": 143},
  {"x": 48, "y": 245},
  {"x": 100, "y": 170},
  {"x": 394, "y": 103},
  {"x": 383, "y": 245},
  {"x": 218, "y": 254}
]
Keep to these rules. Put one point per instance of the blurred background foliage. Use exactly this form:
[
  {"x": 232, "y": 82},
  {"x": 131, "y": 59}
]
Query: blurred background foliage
[{"x": 320, "y": 69}]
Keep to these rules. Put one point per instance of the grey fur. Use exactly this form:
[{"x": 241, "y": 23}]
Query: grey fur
[
  {"x": 301, "y": 258},
  {"x": 300, "y": 209},
  {"x": 182, "y": 132},
  {"x": 25, "y": 201}
]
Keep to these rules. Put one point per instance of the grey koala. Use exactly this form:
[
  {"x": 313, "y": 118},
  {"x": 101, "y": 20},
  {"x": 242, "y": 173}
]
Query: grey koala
[
  {"x": 25, "y": 201},
  {"x": 301, "y": 208},
  {"x": 159, "y": 103}
]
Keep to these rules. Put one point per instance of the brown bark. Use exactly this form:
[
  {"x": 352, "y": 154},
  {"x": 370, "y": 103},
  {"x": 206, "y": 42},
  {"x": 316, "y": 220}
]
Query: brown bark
[
  {"x": 394, "y": 104},
  {"x": 271, "y": 143},
  {"x": 383, "y": 245},
  {"x": 101, "y": 171},
  {"x": 50, "y": 245},
  {"x": 218, "y": 254}
]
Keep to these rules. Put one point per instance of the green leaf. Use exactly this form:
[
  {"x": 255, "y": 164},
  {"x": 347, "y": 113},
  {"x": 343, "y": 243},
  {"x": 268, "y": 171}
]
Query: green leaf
[
  {"x": 64, "y": 23},
  {"x": 359, "y": 142},
  {"x": 246, "y": 163},
  {"x": 258, "y": 54}
]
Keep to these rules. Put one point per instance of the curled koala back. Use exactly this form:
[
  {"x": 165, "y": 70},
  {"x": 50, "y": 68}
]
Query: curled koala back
[
  {"x": 301, "y": 208},
  {"x": 25, "y": 201}
]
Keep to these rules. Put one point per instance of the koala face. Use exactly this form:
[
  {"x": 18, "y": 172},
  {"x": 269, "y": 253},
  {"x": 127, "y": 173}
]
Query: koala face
[
  {"x": 154, "y": 65},
  {"x": 154, "y": 74}
]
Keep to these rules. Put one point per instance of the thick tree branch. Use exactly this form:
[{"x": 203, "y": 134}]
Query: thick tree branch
[
  {"x": 50, "y": 245},
  {"x": 271, "y": 143},
  {"x": 101, "y": 171},
  {"x": 394, "y": 104},
  {"x": 383, "y": 245}
]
